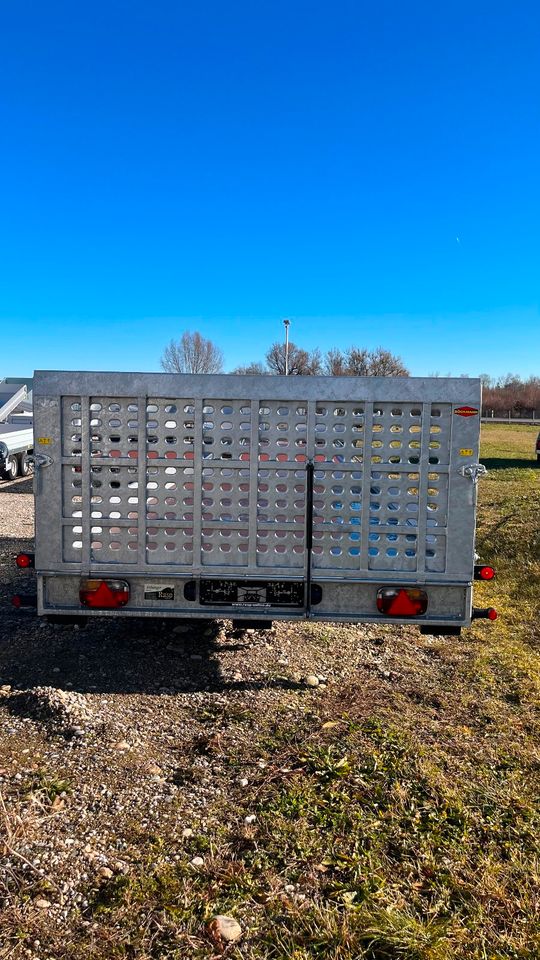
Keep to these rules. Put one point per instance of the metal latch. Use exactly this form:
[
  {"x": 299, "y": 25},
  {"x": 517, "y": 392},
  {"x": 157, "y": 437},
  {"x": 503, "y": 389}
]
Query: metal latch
[
  {"x": 473, "y": 471},
  {"x": 39, "y": 460}
]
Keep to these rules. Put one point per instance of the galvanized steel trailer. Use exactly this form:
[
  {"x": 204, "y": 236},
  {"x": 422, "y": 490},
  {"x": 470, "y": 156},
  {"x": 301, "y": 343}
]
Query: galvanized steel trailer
[
  {"x": 257, "y": 497},
  {"x": 16, "y": 433}
]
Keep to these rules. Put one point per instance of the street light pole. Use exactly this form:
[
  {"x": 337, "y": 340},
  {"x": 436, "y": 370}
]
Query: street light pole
[{"x": 286, "y": 324}]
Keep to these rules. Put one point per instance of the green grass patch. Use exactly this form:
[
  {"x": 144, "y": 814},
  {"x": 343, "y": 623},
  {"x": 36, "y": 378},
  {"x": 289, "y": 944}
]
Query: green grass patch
[
  {"x": 509, "y": 539},
  {"x": 364, "y": 848}
]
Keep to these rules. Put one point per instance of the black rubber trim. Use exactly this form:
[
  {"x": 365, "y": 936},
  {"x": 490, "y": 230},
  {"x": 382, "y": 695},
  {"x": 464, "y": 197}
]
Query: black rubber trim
[{"x": 309, "y": 532}]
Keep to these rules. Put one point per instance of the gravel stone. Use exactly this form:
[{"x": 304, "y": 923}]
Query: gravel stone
[
  {"x": 153, "y": 769},
  {"x": 226, "y": 928},
  {"x": 60, "y": 710}
]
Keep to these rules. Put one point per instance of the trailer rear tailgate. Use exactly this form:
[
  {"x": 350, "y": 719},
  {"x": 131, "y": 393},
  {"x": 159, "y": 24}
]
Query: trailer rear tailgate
[{"x": 211, "y": 476}]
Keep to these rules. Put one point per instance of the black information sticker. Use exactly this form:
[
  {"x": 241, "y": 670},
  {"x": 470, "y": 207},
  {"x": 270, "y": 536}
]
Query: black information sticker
[
  {"x": 252, "y": 593},
  {"x": 158, "y": 591}
]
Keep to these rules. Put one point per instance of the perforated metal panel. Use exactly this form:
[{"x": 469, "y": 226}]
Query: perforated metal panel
[
  {"x": 183, "y": 473},
  {"x": 381, "y": 485}
]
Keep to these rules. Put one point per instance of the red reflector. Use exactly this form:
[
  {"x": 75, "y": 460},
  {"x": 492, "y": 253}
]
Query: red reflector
[
  {"x": 24, "y": 560},
  {"x": 401, "y": 601},
  {"x": 492, "y": 613},
  {"x": 483, "y": 573},
  {"x": 104, "y": 594},
  {"x": 16, "y": 601}
]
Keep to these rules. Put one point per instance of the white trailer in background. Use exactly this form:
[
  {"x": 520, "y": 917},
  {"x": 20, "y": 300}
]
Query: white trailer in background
[
  {"x": 257, "y": 497},
  {"x": 16, "y": 430}
]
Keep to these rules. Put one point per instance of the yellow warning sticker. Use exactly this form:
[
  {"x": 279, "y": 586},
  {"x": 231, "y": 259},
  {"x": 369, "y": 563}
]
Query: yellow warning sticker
[
  {"x": 44, "y": 440},
  {"x": 465, "y": 452}
]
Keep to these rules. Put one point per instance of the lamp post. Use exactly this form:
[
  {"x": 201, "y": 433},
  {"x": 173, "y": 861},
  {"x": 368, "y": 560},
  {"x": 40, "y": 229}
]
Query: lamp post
[{"x": 286, "y": 324}]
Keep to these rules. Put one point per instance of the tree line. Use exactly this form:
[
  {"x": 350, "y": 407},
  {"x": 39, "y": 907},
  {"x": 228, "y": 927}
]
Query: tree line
[
  {"x": 510, "y": 395},
  {"x": 193, "y": 353}
]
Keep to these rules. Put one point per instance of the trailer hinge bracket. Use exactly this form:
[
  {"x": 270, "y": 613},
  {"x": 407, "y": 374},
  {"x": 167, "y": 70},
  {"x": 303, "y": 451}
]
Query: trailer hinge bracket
[
  {"x": 39, "y": 460},
  {"x": 473, "y": 471}
]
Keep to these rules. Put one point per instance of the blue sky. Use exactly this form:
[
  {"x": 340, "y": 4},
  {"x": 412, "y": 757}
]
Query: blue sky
[{"x": 370, "y": 170}]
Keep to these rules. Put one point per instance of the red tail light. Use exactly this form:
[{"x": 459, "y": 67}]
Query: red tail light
[
  {"x": 483, "y": 573},
  {"x": 104, "y": 594},
  {"x": 402, "y": 601},
  {"x": 24, "y": 560}
]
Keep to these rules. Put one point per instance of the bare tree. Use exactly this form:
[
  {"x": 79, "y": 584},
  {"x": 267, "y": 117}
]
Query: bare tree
[
  {"x": 192, "y": 354},
  {"x": 385, "y": 364},
  {"x": 252, "y": 369},
  {"x": 335, "y": 364},
  {"x": 301, "y": 362},
  {"x": 358, "y": 362},
  {"x": 353, "y": 362}
]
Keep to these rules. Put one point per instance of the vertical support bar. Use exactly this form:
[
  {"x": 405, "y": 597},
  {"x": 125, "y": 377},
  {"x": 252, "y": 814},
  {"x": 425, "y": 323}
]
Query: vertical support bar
[
  {"x": 253, "y": 484},
  {"x": 423, "y": 483},
  {"x": 198, "y": 465},
  {"x": 310, "y": 454},
  {"x": 49, "y": 484},
  {"x": 366, "y": 487},
  {"x": 141, "y": 480},
  {"x": 464, "y": 432},
  {"x": 86, "y": 486}
]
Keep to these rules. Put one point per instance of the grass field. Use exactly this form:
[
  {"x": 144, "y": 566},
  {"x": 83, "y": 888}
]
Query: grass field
[{"x": 394, "y": 820}]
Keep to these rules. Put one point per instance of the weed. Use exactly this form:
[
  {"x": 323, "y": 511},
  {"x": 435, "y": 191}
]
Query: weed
[{"x": 48, "y": 786}]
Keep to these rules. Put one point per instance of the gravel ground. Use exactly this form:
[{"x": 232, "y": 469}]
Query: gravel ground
[{"x": 128, "y": 728}]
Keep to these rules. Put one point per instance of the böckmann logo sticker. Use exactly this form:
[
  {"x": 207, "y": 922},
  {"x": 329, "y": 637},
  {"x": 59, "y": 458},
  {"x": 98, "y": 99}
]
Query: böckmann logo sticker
[{"x": 466, "y": 411}]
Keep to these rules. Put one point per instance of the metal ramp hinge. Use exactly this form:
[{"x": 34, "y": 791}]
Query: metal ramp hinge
[
  {"x": 473, "y": 471},
  {"x": 39, "y": 460}
]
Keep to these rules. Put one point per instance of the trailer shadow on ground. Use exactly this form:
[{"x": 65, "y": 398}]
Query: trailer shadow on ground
[
  {"x": 126, "y": 656},
  {"x": 508, "y": 463},
  {"x": 21, "y": 485}
]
